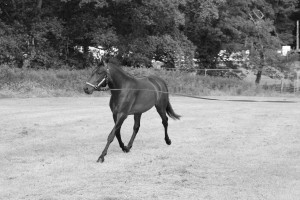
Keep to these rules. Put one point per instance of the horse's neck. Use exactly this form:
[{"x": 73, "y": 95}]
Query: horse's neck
[{"x": 118, "y": 77}]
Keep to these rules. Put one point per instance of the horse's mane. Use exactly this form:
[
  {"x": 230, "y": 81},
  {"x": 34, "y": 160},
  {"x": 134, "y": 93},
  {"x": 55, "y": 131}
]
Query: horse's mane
[
  {"x": 113, "y": 60},
  {"x": 117, "y": 65}
]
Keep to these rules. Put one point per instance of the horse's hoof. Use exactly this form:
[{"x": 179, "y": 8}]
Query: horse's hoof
[
  {"x": 168, "y": 142},
  {"x": 100, "y": 159},
  {"x": 126, "y": 149}
]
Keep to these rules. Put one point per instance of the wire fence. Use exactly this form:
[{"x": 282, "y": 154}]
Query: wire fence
[
  {"x": 293, "y": 87},
  {"x": 281, "y": 85}
]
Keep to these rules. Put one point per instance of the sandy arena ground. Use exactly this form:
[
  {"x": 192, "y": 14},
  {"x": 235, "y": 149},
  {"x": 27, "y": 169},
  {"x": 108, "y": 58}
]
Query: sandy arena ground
[{"x": 220, "y": 150}]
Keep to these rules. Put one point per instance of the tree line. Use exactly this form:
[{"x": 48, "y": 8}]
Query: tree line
[{"x": 48, "y": 33}]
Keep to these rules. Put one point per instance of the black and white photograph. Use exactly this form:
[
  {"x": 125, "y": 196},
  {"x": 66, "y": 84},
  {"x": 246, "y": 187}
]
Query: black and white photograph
[{"x": 149, "y": 99}]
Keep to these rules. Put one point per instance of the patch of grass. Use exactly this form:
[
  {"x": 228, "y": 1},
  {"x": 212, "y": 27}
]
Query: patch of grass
[
  {"x": 16, "y": 82},
  {"x": 186, "y": 83}
]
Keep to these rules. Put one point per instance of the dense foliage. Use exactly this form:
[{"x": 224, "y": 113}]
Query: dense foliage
[{"x": 49, "y": 34}]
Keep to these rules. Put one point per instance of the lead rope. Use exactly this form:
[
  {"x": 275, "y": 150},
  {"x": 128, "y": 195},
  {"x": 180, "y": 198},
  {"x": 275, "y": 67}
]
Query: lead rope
[
  {"x": 198, "y": 97},
  {"x": 176, "y": 94}
]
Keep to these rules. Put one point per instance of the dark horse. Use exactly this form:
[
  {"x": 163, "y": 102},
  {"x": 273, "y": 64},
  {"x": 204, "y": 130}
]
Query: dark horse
[{"x": 130, "y": 96}]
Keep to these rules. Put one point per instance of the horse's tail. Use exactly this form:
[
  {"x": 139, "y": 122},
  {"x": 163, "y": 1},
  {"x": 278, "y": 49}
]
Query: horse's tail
[{"x": 171, "y": 112}]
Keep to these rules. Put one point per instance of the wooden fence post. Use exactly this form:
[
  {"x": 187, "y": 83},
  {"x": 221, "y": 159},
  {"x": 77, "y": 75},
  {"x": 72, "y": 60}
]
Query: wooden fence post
[
  {"x": 294, "y": 87},
  {"x": 298, "y": 75}
]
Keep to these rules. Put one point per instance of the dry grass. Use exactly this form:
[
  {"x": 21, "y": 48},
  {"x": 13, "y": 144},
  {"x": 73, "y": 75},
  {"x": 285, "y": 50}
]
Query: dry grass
[
  {"x": 15, "y": 82},
  {"x": 220, "y": 150}
]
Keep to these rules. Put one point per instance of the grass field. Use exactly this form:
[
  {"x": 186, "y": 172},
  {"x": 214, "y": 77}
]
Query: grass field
[
  {"x": 220, "y": 150},
  {"x": 15, "y": 82}
]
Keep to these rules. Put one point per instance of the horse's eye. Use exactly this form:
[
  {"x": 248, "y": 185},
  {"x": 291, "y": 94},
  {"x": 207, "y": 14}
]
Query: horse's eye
[{"x": 99, "y": 72}]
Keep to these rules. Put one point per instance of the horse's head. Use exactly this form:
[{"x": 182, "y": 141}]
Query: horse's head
[{"x": 98, "y": 78}]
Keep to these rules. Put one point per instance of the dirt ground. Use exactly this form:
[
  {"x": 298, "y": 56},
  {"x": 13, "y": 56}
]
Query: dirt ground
[{"x": 220, "y": 150}]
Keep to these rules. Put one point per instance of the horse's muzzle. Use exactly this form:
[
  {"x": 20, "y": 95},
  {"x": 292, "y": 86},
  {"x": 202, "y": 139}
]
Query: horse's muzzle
[{"x": 87, "y": 90}]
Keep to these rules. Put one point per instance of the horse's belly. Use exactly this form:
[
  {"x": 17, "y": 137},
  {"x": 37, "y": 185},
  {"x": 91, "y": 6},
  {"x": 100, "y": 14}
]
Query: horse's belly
[{"x": 142, "y": 105}]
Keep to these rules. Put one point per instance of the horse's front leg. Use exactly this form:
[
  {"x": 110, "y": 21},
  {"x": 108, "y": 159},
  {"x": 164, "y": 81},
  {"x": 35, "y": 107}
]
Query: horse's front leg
[
  {"x": 118, "y": 135},
  {"x": 120, "y": 117}
]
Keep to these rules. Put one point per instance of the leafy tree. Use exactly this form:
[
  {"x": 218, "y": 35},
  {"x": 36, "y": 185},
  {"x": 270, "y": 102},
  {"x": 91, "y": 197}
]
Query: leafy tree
[
  {"x": 172, "y": 31},
  {"x": 84, "y": 26},
  {"x": 239, "y": 25},
  {"x": 202, "y": 27},
  {"x": 283, "y": 12},
  {"x": 151, "y": 29},
  {"x": 31, "y": 31},
  {"x": 48, "y": 31}
]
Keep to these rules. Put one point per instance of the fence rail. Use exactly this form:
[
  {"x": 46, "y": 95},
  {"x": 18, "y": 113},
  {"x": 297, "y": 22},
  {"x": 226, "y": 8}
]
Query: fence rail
[
  {"x": 290, "y": 88},
  {"x": 207, "y": 70}
]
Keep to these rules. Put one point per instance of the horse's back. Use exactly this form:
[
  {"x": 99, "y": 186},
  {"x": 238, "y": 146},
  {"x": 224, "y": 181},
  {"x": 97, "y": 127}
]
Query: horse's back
[
  {"x": 159, "y": 83},
  {"x": 161, "y": 88}
]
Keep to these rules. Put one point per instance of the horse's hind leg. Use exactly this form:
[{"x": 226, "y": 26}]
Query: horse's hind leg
[
  {"x": 136, "y": 127},
  {"x": 162, "y": 112}
]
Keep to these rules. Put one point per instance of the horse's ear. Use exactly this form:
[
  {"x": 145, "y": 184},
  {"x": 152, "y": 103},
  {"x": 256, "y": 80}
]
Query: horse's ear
[
  {"x": 98, "y": 61},
  {"x": 104, "y": 63},
  {"x": 105, "y": 60}
]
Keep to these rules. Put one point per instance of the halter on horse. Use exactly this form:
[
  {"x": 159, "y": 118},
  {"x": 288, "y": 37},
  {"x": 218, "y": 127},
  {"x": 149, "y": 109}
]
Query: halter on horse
[{"x": 130, "y": 96}]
